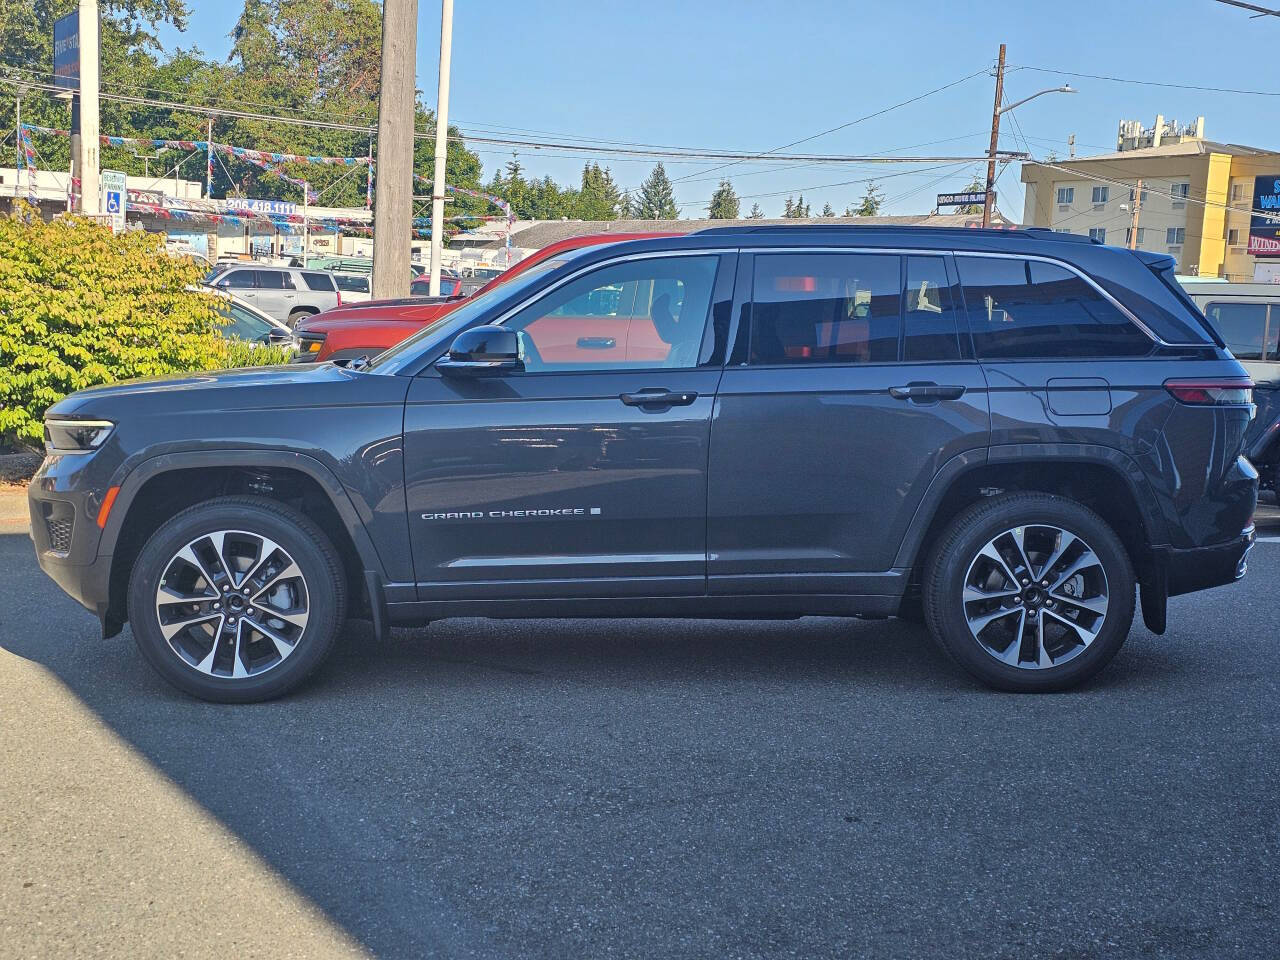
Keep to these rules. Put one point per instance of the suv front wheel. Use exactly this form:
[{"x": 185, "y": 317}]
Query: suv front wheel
[
  {"x": 1029, "y": 592},
  {"x": 237, "y": 599}
]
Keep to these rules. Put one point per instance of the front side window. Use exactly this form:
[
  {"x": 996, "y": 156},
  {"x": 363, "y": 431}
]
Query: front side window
[
  {"x": 237, "y": 280},
  {"x": 1066, "y": 195},
  {"x": 274, "y": 280},
  {"x": 1244, "y": 328},
  {"x": 826, "y": 308},
  {"x": 1024, "y": 309},
  {"x": 648, "y": 312}
]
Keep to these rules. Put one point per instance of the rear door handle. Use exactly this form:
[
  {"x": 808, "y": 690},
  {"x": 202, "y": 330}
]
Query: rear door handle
[
  {"x": 658, "y": 398},
  {"x": 927, "y": 392},
  {"x": 597, "y": 343}
]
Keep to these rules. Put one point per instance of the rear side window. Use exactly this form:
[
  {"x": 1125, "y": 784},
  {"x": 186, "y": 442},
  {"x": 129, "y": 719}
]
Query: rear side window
[
  {"x": 929, "y": 317},
  {"x": 1024, "y": 309},
  {"x": 274, "y": 280},
  {"x": 317, "y": 281},
  {"x": 1249, "y": 332},
  {"x": 826, "y": 308}
]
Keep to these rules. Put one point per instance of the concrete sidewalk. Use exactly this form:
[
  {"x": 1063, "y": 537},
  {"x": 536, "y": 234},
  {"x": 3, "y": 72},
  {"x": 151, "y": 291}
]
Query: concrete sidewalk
[{"x": 13, "y": 509}]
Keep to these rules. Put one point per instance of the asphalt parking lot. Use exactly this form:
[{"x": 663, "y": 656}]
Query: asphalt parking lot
[{"x": 818, "y": 788}]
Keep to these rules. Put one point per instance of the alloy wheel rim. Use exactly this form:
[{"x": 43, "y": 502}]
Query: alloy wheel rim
[
  {"x": 232, "y": 604},
  {"x": 1035, "y": 596}
]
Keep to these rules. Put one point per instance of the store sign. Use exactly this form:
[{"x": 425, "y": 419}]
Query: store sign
[
  {"x": 153, "y": 197},
  {"x": 260, "y": 206},
  {"x": 1264, "y": 224},
  {"x": 972, "y": 198},
  {"x": 66, "y": 51}
]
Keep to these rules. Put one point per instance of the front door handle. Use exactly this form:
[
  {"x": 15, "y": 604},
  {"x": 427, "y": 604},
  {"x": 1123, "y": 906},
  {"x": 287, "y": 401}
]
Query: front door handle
[
  {"x": 658, "y": 398},
  {"x": 927, "y": 392}
]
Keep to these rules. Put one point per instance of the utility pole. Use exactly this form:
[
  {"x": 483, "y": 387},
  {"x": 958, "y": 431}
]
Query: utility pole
[
  {"x": 393, "y": 216},
  {"x": 442, "y": 146},
  {"x": 20, "y": 163},
  {"x": 90, "y": 186},
  {"x": 208, "y": 160},
  {"x": 995, "y": 141},
  {"x": 1135, "y": 217}
]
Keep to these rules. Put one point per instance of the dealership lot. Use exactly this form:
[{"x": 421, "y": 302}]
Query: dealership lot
[{"x": 811, "y": 788}]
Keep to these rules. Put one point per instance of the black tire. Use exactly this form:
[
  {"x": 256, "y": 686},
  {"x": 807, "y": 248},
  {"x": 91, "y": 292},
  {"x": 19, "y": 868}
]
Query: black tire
[
  {"x": 304, "y": 543},
  {"x": 958, "y": 547},
  {"x": 296, "y": 316}
]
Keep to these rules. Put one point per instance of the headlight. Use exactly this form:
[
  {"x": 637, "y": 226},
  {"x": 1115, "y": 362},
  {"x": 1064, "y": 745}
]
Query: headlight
[{"x": 76, "y": 436}]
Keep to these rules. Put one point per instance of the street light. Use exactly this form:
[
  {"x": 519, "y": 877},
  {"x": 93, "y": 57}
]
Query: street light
[{"x": 996, "y": 113}]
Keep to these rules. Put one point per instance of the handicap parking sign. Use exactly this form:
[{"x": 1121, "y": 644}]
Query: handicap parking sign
[{"x": 113, "y": 201}]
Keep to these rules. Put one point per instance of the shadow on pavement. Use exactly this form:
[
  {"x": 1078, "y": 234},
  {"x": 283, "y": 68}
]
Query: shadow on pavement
[{"x": 667, "y": 788}]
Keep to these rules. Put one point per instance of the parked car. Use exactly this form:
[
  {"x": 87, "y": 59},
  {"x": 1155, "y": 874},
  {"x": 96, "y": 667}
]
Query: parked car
[
  {"x": 251, "y": 325},
  {"x": 370, "y": 328},
  {"x": 450, "y": 285},
  {"x": 355, "y": 287},
  {"x": 1247, "y": 317},
  {"x": 285, "y": 293},
  {"x": 1006, "y": 431}
]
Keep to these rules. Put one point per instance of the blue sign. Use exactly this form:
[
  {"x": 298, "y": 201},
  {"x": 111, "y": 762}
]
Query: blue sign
[
  {"x": 1264, "y": 224},
  {"x": 66, "y": 51},
  {"x": 113, "y": 201}
]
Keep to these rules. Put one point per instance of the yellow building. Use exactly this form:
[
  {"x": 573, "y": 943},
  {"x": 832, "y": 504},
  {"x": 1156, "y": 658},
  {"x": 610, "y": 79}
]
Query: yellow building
[{"x": 1197, "y": 198}]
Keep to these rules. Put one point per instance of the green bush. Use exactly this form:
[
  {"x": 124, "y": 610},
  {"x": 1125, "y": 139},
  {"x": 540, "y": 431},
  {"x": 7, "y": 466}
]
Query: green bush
[{"x": 81, "y": 307}]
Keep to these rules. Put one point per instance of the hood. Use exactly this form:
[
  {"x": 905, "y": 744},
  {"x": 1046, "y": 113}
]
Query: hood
[
  {"x": 179, "y": 389},
  {"x": 411, "y": 311}
]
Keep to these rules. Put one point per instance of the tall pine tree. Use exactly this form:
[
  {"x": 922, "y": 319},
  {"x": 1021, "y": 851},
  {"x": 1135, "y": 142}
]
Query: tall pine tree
[
  {"x": 756, "y": 213},
  {"x": 724, "y": 203},
  {"x": 657, "y": 200}
]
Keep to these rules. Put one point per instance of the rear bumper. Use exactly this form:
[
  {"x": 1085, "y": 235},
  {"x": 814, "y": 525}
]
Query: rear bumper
[{"x": 1187, "y": 571}]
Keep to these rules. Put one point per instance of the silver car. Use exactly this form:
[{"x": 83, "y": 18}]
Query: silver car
[{"x": 284, "y": 293}]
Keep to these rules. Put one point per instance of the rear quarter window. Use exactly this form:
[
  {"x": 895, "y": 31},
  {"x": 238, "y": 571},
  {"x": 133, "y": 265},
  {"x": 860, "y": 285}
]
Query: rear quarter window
[
  {"x": 1032, "y": 309},
  {"x": 317, "y": 281}
]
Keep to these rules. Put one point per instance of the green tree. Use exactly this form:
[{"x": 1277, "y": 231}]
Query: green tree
[
  {"x": 797, "y": 210},
  {"x": 789, "y": 209},
  {"x": 724, "y": 203},
  {"x": 627, "y": 206},
  {"x": 827, "y": 211},
  {"x": 598, "y": 198},
  {"x": 871, "y": 203},
  {"x": 756, "y": 213},
  {"x": 657, "y": 200},
  {"x": 977, "y": 184}
]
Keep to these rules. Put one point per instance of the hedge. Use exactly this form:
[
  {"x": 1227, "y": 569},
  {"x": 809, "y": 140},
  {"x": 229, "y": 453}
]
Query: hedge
[{"x": 80, "y": 306}]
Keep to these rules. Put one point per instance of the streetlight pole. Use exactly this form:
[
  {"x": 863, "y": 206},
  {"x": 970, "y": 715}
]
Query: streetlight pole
[{"x": 442, "y": 146}]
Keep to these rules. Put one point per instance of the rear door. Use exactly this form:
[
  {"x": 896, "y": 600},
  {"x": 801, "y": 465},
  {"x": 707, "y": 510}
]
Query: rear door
[
  {"x": 585, "y": 474},
  {"x": 276, "y": 293},
  {"x": 852, "y": 390}
]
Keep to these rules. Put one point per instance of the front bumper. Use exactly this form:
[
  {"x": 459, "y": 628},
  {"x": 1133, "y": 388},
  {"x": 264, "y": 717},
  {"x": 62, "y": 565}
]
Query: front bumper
[{"x": 1200, "y": 568}]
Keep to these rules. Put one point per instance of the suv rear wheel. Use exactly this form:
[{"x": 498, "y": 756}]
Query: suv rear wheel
[
  {"x": 237, "y": 599},
  {"x": 1029, "y": 592}
]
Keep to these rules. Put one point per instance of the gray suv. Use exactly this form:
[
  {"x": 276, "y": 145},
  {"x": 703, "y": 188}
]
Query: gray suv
[
  {"x": 1010, "y": 435},
  {"x": 287, "y": 294}
]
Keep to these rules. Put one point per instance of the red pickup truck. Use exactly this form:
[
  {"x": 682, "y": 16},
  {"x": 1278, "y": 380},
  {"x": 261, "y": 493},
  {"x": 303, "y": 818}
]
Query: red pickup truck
[{"x": 371, "y": 327}]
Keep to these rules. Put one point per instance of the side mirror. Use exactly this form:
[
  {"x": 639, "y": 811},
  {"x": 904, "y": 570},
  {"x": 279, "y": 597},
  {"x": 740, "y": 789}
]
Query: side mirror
[
  {"x": 276, "y": 335},
  {"x": 482, "y": 351}
]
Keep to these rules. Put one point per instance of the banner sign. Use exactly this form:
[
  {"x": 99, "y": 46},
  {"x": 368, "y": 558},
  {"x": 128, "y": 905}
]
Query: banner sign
[
  {"x": 66, "y": 51},
  {"x": 1264, "y": 224},
  {"x": 973, "y": 198}
]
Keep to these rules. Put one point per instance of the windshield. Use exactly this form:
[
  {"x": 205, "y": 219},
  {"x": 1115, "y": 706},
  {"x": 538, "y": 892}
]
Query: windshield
[{"x": 464, "y": 316}]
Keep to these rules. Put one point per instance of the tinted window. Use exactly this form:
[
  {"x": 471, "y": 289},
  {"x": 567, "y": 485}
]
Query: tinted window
[
  {"x": 1244, "y": 328},
  {"x": 351, "y": 283},
  {"x": 826, "y": 308},
  {"x": 317, "y": 281},
  {"x": 237, "y": 280},
  {"x": 244, "y": 325},
  {"x": 274, "y": 280},
  {"x": 930, "y": 321},
  {"x": 636, "y": 314},
  {"x": 1027, "y": 308}
]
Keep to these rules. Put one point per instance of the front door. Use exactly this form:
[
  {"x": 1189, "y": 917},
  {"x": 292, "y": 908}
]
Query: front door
[
  {"x": 854, "y": 389},
  {"x": 585, "y": 474}
]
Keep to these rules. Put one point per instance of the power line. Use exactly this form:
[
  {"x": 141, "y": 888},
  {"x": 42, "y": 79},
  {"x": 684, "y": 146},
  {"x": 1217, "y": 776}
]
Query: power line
[{"x": 1150, "y": 83}]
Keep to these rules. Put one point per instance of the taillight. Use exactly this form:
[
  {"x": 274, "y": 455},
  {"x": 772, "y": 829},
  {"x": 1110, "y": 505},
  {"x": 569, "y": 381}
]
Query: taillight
[
  {"x": 1215, "y": 392},
  {"x": 339, "y": 298}
]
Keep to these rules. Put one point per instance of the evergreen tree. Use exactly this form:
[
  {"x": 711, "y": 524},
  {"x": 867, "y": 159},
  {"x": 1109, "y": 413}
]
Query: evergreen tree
[
  {"x": 789, "y": 209},
  {"x": 801, "y": 210},
  {"x": 657, "y": 200},
  {"x": 827, "y": 211},
  {"x": 627, "y": 206},
  {"x": 756, "y": 213},
  {"x": 871, "y": 203},
  {"x": 724, "y": 203},
  {"x": 598, "y": 199}
]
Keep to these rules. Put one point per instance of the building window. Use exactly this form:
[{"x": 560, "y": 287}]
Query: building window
[
  {"x": 1175, "y": 236},
  {"x": 1066, "y": 195},
  {"x": 1062, "y": 230},
  {"x": 1128, "y": 235},
  {"x": 1100, "y": 194},
  {"x": 1133, "y": 191},
  {"x": 1233, "y": 237},
  {"x": 1098, "y": 233},
  {"x": 1180, "y": 191},
  {"x": 1237, "y": 192}
]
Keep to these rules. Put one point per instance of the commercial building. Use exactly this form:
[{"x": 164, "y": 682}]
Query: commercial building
[{"x": 1197, "y": 204}]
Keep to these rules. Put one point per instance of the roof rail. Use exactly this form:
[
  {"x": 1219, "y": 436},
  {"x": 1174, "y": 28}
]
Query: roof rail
[{"x": 1034, "y": 233}]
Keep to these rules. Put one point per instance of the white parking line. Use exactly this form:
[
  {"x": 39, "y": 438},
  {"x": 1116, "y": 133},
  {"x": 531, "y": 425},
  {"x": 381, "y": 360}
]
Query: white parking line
[{"x": 1269, "y": 539}]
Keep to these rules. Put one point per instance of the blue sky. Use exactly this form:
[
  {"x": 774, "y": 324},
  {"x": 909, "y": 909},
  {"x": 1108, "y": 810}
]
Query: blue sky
[{"x": 752, "y": 75}]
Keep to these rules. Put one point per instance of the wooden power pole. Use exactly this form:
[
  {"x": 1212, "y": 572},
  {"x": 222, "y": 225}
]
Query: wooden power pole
[
  {"x": 1135, "y": 217},
  {"x": 995, "y": 142},
  {"x": 393, "y": 214}
]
